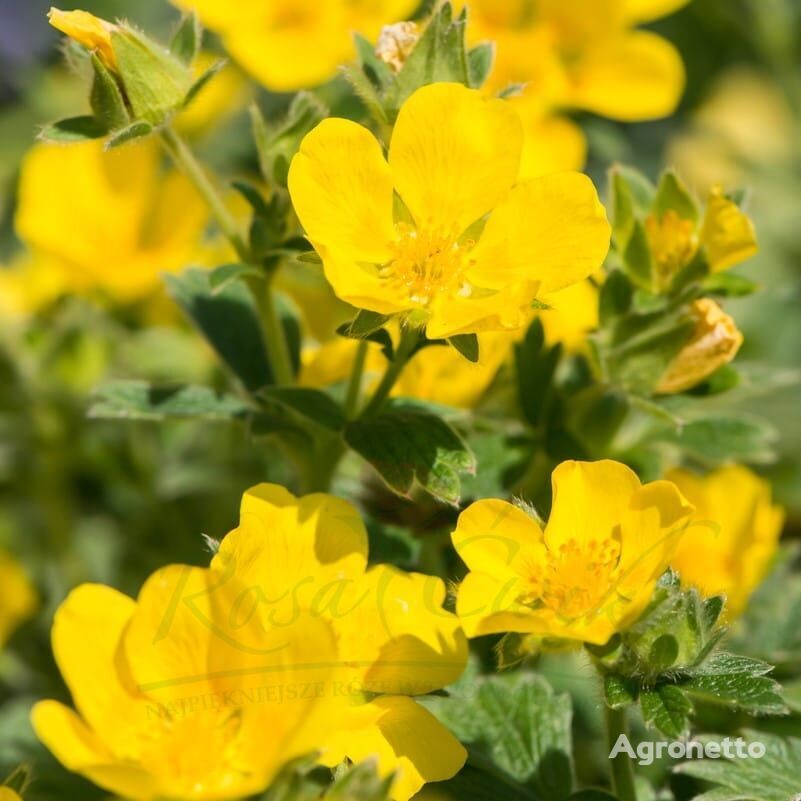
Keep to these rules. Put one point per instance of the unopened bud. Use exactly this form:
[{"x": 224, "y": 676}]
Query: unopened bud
[
  {"x": 673, "y": 243},
  {"x": 396, "y": 42},
  {"x": 714, "y": 342},
  {"x": 88, "y": 30}
]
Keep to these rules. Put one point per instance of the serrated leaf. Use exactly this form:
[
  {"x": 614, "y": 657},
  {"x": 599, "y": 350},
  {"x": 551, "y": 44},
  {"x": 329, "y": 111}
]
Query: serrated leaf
[
  {"x": 407, "y": 444},
  {"x": 776, "y": 776},
  {"x": 467, "y": 345},
  {"x": 518, "y": 723},
  {"x": 738, "y": 682},
  {"x": 619, "y": 691},
  {"x": 228, "y": 318},
  {"x": 185, "y": 43},
  {"x": 667, "y": 709},
  {"x": 136, "y": 130},
  {"x": 314, "y": 405},
  {"x": 73, "y": 129},
  {"x": 138, "y": 400}
]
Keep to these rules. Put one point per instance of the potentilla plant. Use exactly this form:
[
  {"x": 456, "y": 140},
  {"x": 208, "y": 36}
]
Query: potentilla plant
[{"x": 503, "y": 410}]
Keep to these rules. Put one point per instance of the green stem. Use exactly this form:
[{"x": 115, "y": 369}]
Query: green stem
[
  {"x": 409, "y": 339},
  {"x": 355, "y": 382},
  {"x": 621, "y": 769},
  {"x": 274, "y": 336}
]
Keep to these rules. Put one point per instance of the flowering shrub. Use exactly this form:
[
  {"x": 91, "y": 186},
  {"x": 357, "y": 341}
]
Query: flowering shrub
[{"x": 506, "y": 465}]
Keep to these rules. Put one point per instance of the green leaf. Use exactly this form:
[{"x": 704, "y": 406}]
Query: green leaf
[
  {"x": 667, "y": 709},
  {"x": 721, "y": 439},
  {"x": 729, "y": 285},
  {"x": 738, "y": 682},
  {"x": 314, "y": 405},
  {"x": 137, "y": 400},
  {"x": 228, "y": 318},
  {"x": 637, "y": 259},
  {"x": 366, "y": 91},
  {"x": 406, "y": 443},
  {"x": 467, "y": 345},
  {"x": 225, "y": 273},
  {"x": 185, "y": 43},
  {"x": 536, "y": 365},
  {"x": 74, "y": 129},
  {"x": 616, "y": 297},
  {"x": 619, "y": 691},
  {"x": 673, "y": 195},
  {"x": 773, "y": 777},
  {"x": 376, "y": 71},
  {"x": 136, "y": 130},
  {"x": 106, "y": 98},
  {"x": 479, "y": 63},
  {"x": 632, "y": 197},
  {"x": 366, "y": 323},
  {"x": 517, "y": 723},
  {"x": 439, "y": 56},
  {"x": 196, "y": 88}
]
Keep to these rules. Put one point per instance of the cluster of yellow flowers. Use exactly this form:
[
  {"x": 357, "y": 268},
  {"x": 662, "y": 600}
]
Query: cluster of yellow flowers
[{"x": 213, "y": 679}]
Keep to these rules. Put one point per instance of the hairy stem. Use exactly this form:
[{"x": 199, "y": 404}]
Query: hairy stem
[{"x": 620, "y": 767}]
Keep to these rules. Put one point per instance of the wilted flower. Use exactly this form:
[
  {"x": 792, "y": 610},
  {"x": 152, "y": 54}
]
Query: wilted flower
[
  {"x": 588, "y": 574},
  {"x": 472, "y": 248},
  {"x": 396, "y": 42},
  {"x": 394, "y": 640},
  {"x": 294, "y": 44},
  {"x": 731, "y": 543},
  {"x": 714, "y": 342},
  {"x": 17, "y": 596},
  {"x": 109, "y": 220}
]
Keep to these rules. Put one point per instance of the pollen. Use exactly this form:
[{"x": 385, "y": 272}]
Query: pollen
[
  {"x": 579, "y": 576},
  {"x": 429, "y": 263}
]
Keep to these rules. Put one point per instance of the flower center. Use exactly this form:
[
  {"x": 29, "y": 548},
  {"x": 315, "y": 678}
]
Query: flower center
[
  {"x": 579, "y": 576},
  {"x": 427, "y": 264}
]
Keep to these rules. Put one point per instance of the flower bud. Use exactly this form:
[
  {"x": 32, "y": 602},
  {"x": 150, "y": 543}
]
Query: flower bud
[
  {"x": 673, "y": 242},
  {"x": 396, "y": 42},
  {"x": 714, "y": 342},
  {"x": 86, "y": 29}
]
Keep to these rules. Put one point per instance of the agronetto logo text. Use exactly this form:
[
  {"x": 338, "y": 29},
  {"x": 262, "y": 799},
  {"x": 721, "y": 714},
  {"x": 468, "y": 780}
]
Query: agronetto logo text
[{"x": 647, "y": 751}]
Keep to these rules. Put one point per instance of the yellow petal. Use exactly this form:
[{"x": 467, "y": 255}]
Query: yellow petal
[
  {"x": 283, "y": 542},
  {"x": 648, "y": 10},
  {"x": 488, "y": 605},
  {"x": 589, "y": 501},
  {"x": 651, "y": 530},
  {"x": 639, "y": 76},
  {"x": 404, "y": 738},
  {"x": 731, "y": 542},
  {"x": 552, "y": 144},
  {"x": 92, "y": 32},
  {"x": 498, "y": 538},
  {"x": 572, "y": 316},
  {"x": 727, "y": 234},
  {"x": 91, "y": 666},
  {"x": 81, "y": 750},
  {"x": 552, "y": 230},
  {"x": 392, "y": 626},
  {"x": 454, "y": 155},
  {"x": 341, "y": 188}
]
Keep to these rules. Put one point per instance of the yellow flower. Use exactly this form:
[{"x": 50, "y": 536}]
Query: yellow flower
[
  {"x": 589, "y": 574},
  {"x": 472, "y": 248},
  {"x": 29, "y": 284},
  {"x": 581, "y": 54},
  {"x": 725, "y": 233},
  {"x": 584, "y": 54},
  {"x": 92, "y": 32},
  {"x": 713, "y": 343},
  {"x": 294, "y": 44},
  {"x": 111, "y": 220},
  {"x": 572, "y": 316},
  {"x": 394, "y": 639},
  {"x": 181, "y": 694},
  {"x": 7, "y": 794},
  {"x": 17, "y": 597},
  {"x": 731, "y": 543}
]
